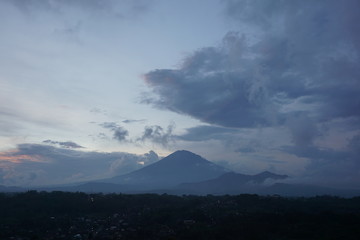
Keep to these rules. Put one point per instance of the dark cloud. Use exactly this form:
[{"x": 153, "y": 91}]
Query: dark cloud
[
  {"x": 158, "y": 135},
  {"x": 109, "y": 125},
  {"x": 67, "y": 144},
  {"x": 130, "y": 162},
  {"x": 208, "y": 87},
  {"x": 233, "y": 139},
  {"x": 134, "y": 121},
  {"x": 304, "y": 58},
  {"x": 203, "y": 133},
  {"x": 118, "y": 10},
  {"x": 303, "y": 129},
  {"x": 37, "y": 164},
  {"x": 329, "y": 167},
  {"x": 119, "y": 133},
  {"x": 246, "y": 150},
  {"x": 354, "y": 143},
  {"x": 290, "y": 65},
  {"x": 315, "y": 153}
]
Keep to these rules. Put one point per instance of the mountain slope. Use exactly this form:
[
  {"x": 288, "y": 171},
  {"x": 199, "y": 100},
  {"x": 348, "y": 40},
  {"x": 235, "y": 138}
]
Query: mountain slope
[
  {"x": 305, "y": 190},
  {"x": 178, "y": 167},
  {"x": 231, "y": 183}
]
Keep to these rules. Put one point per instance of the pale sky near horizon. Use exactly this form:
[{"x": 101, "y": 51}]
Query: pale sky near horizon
[{"x": 89, "y": 88}]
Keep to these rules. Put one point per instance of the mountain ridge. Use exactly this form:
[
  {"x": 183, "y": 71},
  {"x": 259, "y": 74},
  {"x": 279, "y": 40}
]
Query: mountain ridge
[
  {"x": 178, "y": 167},
  {"x": 184, "y": 172},
  {"x": 231, "y": 182}
]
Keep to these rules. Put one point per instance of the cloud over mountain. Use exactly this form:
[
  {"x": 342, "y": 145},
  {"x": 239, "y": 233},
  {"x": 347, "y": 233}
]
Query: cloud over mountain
[
  {"x": 38, "y": 164},
  {"x": 215, "y": 88},
  {"x": 302, "y": 60},
  {"x": 287, "y": 65},
  {"x": 255, "y": 84}
]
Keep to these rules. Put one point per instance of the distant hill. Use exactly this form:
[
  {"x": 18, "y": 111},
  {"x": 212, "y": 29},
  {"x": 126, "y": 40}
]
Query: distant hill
[
  {"x": 230, "y": 183},
  {"x": 178, "y": 167},
  {"x": 306, "y": 190},
  {"x": 90, "y": 187},
  {"x": 184, "y": 172}
]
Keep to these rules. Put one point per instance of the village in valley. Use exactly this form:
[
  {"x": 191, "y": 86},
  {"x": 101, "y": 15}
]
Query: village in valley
[{"x": 63, "y": 215}]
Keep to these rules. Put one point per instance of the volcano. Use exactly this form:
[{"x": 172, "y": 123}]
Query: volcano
[{"x": 179, "y": 167}]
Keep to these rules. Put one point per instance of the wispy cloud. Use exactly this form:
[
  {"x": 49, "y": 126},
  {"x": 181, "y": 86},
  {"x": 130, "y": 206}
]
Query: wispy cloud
[
  {"x": 158, "y": 135},
  {"x": 118, "y": 9},
  {"x": 67, "y": 144},
  {"x": 119, "y": 133},
  {"x": 134, "y": 121}
]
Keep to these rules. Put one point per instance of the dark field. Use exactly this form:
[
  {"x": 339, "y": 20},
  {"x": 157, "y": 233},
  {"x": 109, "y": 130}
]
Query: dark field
[{"x": 61, "y": 215}]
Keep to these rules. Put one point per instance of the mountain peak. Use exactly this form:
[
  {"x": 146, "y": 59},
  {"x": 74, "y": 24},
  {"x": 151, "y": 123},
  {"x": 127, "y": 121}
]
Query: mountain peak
[
  {"x": 180, "y": 166},
  {"x": 183, "y": 156},
  {"x": 183, "y": 153}
]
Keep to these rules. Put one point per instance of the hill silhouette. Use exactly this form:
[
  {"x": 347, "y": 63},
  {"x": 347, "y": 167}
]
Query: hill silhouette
[
  {"x": 231, "y": 183},
  {"x": 184, "y": 172},
  {"x": 179, "y": 167}
]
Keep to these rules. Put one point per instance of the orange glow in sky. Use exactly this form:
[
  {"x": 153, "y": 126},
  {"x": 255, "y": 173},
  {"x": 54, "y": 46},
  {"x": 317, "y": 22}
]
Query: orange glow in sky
[{"x": 10, "y": 156}]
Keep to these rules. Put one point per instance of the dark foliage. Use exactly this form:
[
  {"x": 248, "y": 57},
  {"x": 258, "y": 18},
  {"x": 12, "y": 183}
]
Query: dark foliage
[{"x": 62, "y": 215}]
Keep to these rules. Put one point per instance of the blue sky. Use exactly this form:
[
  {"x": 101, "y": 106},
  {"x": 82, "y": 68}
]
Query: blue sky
[{"x": 92, "y": 89}]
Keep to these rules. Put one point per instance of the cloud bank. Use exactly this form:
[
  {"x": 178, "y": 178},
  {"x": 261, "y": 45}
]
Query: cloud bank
[
  {"x": 38, "y": 164},
  {"x": 289, "y": 65},
  {"x": 67, "y": 144}
]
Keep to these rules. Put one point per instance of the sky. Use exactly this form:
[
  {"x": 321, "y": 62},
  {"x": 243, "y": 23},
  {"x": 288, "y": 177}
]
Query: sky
[{"x": 91, "y": 89}]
